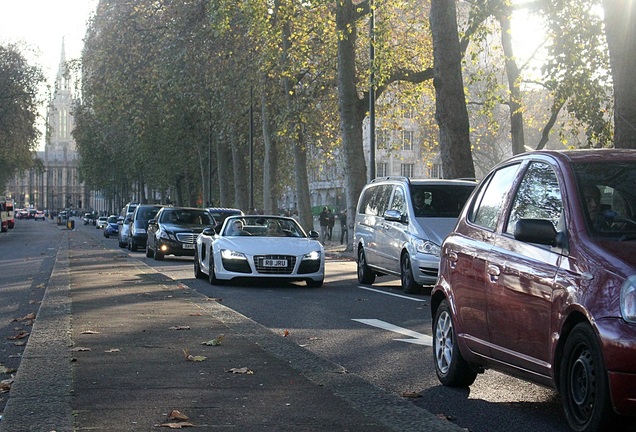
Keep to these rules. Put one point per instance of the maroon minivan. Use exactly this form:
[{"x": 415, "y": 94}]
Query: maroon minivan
[{"x": 538, "y": 280}]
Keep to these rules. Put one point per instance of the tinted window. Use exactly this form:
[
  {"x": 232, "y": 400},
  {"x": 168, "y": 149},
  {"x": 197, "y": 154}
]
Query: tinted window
[
  {"x": 490, "y": 198},
  {"x": 538, "y": 197},
  {"x": 375, "y": 200},
  {"x": 440, "y": 200},
  {"x": 398, "y": 202}
]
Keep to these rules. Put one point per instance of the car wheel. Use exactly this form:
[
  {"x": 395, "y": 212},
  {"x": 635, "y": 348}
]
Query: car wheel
[
  {"x": 121, "y": 244},
  {"x": 409, "y": 285},
  {"x": 211, "y": 274},
  {"x": 365, "y": 274},
  {"x": 583, "y": 382},
  {"x": 451, "y": 368},
  {"x": 197, "y": 267},
  {"x": 133, "y": 246},
  {"x": 314, "y": 283},
  {"x": 158, "y": 254}
]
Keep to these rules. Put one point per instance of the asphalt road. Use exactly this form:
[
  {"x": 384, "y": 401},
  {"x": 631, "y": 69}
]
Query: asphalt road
[{"x": 375, "y": 332}]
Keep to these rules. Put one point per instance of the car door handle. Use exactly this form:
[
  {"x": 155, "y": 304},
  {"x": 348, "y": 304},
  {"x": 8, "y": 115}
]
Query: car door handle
[{"x": 493, "y": 271}]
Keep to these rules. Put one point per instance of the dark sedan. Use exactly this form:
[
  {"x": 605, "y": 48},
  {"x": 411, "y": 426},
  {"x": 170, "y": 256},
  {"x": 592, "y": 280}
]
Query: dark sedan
[
  {"x": 174, "y": 231},
  {"x": 538, "y": 280}
]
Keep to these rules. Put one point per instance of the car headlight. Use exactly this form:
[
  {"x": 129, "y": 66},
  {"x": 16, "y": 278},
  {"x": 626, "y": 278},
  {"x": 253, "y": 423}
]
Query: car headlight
[
  {"x": 427, "y": 247},
  {"x": 312, "y": 256},
  {"x": 628, "y": 300},
  {"x": 165, "y": 235},
  {"x": 230, "y": 254}
]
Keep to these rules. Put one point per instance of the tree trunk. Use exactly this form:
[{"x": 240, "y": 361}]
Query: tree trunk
[
  {"x": 224, "y": 164},
  {"x": 512, "y": 72},
  {"x": 620, "y": 32},
  {"x": 450, "y": 102},
  {"x": 352, "y": 108}
]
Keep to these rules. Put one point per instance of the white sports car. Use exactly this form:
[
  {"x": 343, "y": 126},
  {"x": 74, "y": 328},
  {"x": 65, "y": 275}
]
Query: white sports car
[{"x": 272, "y": 247}]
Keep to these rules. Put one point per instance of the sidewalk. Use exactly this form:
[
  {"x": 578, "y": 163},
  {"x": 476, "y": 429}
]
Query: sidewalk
[{"x": 109, "y": 352}]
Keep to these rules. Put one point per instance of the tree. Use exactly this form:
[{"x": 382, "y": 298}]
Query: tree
[
  {"x": 621, "y": 39},
  {"x": 19, "y": 100}
]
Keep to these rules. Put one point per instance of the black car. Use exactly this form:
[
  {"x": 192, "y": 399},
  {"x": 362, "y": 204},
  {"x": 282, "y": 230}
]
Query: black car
[
  {"x": 174, "y": 231},
  {"x": 139, "y": 224}
]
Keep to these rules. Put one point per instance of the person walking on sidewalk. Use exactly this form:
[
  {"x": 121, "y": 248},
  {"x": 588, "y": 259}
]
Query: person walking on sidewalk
[
  {"x": 323, "y": 218},
  {"x": 344, "y": 229},
  {"x": 331, "y": 222}
]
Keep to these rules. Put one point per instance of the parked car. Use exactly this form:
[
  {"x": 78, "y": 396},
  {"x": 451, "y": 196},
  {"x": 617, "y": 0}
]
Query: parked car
[
  {"x": 174, "y": 231},
  {"x": 400, "y": 224},
  {"x": 221, "y": 213},
  {"x": 265, "y": 247},
  {"x": 112, "y": 226},
  {"x": 533, "y": 285},
  {"x": 124, "y": 231},
  {"x": 101, "y": 223},
  {"x": 39, "y": 215},
  {"x": 137, "y": 234}
]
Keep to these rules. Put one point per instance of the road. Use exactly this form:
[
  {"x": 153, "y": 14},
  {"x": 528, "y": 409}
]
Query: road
[{"x": 375, "y": 332}]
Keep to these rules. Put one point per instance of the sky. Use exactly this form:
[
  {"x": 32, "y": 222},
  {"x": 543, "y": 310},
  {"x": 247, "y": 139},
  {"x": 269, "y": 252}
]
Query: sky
[{"x": 39, "y": 26}]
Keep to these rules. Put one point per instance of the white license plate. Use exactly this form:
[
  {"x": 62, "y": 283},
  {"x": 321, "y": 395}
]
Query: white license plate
[
  {"x": 188, "y": 246},
  {"x": 274, "y": 263}
]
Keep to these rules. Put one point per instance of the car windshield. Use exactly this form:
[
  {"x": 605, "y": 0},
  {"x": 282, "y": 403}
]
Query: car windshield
[
  {"x": 186, "y": 217},
  {"x": 262, "y": 226},
  {"x": 608, "y": 198},
  {"x": 439, "y": 200},
  {"x": 112, "y": 219}
]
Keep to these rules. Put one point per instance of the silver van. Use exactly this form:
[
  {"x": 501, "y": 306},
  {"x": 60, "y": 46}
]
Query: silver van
[{"x": 400, "y": 224}]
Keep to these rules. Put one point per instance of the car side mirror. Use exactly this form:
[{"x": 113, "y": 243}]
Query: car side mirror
[
  {"x": 152, "y": 222},
  {"x": 208, "y": 232},
  {"x": 394, "y": 216},
  {"x": 540, "y": 231},
  {"x": 313, "y": 234}
]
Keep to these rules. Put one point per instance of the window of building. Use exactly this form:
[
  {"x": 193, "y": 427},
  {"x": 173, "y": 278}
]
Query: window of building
[
  {"x": 406, "y": 170},
  {"x": 381, "y": 169},
  {"x": 435, "y": 170},
  {"x": 408, "y": 111},
  {"x": 407, "y": 140},
  {"x": 382, "y": 138}
]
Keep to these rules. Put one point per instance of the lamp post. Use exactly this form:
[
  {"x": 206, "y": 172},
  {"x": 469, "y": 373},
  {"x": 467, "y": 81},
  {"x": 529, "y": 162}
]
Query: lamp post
[{"x": 371, "y": 94}]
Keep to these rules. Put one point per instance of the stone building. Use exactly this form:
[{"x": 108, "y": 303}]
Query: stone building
[{"x": 54, "y": 184}]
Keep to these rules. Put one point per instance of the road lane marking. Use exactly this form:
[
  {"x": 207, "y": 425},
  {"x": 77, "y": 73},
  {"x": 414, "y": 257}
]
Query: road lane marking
[
  {"x": 416, "y": 338},
  {"x": 391, "y": 294}
]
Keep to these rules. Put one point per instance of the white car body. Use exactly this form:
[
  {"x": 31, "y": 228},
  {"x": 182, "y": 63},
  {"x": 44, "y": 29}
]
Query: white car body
[{"x": 292, "y": 255}]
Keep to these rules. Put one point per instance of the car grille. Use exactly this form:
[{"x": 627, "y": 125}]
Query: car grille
[
  {"x": 187, "y": 237},
  {"x": 291, "y": 263}
]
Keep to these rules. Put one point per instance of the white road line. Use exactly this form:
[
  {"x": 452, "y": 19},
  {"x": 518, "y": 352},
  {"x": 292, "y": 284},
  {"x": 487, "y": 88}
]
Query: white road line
[
  {"x": 391, "y": 294},
  {"x": 417, "y": 338}
]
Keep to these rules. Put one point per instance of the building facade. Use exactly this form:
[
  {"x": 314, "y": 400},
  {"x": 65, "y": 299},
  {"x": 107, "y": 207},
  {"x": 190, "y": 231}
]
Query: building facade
[{"x": 54, "y": 183}]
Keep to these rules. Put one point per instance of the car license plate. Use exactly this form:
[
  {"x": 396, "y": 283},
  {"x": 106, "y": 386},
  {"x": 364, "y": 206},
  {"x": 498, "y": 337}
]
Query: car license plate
[
  {"x": 188, "y": 246},
  {"x": 274, "y": 263}
]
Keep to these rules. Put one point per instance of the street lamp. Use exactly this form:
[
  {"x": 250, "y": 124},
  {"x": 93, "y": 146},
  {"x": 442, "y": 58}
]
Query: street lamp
[{"x": 371, "y": 94}]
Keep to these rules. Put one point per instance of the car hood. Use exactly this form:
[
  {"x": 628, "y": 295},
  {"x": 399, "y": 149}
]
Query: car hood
[
  {"x": 434, "y": 228},
  {"x": 252, "y": 245},
  {"x": 177, "y": 228}
]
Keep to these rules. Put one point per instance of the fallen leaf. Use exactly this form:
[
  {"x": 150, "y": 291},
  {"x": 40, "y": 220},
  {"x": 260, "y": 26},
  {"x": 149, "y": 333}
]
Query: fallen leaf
[
  {"x": 242, "y": 370},
  {"x": 190, "y": 357},
  {"x": 90, "y": 332},
  {"x": 5, "y": 385},
  {"x": 181, "y": 285},
  {"x": 27, "y": 317},
  {"x": 78, "y": 349},
  {"x": 214, "y": 342},
  {"x": 20, "y": 335},
  {"x": 176, "y": 425},
  {"x": 112, "y": 350},
  {"x": 6, "y": 370},
  {"x": 19, "y": 343},
  {"x": 179, "y": 328},
  {"x": 196, "y": 314},
  {"x": 286, "y": 333},
  {"x": 411, "y": 394},
  {"x": 177, "y": 415}
]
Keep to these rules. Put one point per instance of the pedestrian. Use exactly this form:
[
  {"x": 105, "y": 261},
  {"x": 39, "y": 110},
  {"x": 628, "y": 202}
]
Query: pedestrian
[
  {"x": 332, "y": 222},
  {"x": 344, "y": 229},
  {"x": 324, "y": 223}
]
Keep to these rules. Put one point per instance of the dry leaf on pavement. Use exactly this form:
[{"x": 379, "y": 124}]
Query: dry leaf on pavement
[
  {"x": 190, "y": 357},
  {"x": 6, "y": 370},
  {"x": 90, "y": 332},
  {"x": 214, "y": 342},
  {"x": 411, "y": 394},
  {"x": 177, "y": 415},
  {"x": 21, "y": 335},
  {"x": 242, "y": 370},
  {"x": 176, "y": 425},
  {"x": 27, "y": 317},
  {"x": 286, "y": 333},
  {"x": 112, "y": 350},
  {"x": 179, "y": 328},
  {"x": 78, "y": 349}
]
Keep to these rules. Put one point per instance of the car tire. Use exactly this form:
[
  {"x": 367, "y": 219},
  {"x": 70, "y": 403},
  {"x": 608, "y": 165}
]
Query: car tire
[
  {"x": 121, "y": 243},
  {"x": 314, "y": 283},
  {"x": 211, "y": 274},
  {"x": 158, "y": 255},
  {"x": 133, "y": 246},
  {"x": 409, "y": 286},
  {"x": 583, "y": 382},
  {"x": 451, "y": 368},
  {"x": 198, "y": 274},
  {"x": 365, "y": 274}
]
